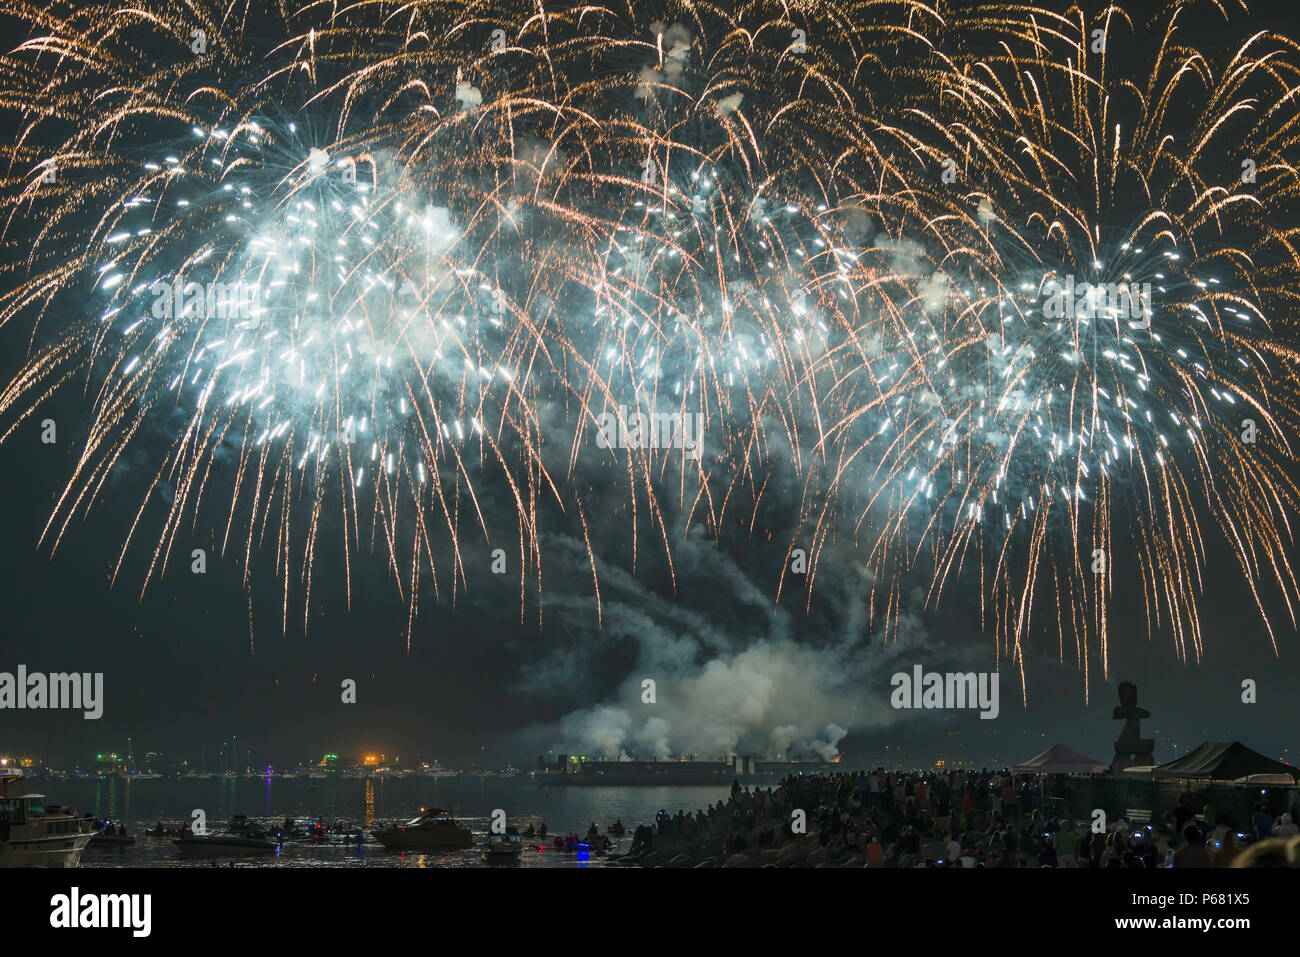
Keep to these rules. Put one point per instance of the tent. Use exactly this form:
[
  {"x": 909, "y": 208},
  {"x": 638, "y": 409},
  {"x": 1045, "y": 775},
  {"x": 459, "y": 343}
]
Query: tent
[
  {"x": 1222, "y": 761},
  {"x": 1266, "y": 780},
  {"x": 1058, "y": 759}
]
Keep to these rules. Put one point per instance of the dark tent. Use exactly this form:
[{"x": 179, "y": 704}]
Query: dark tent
[
  {"x": 1058, "y": 759},
  {"x": 1222, "y": 761}
]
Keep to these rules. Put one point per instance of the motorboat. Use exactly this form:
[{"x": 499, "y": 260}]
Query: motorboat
[
  {"x": 241, "y": 838},
  {"x": 440, "y": 772},
  {"x": 34, "y": 834},
  {"x": 503, "y": 848},
  {"x": 433, "y": 830},
  {"x": 223, "y": 845},
  {"x": 110, "y": 837}
]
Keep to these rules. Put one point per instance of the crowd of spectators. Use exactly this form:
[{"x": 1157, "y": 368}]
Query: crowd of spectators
[{"x": 954, "y": 818}]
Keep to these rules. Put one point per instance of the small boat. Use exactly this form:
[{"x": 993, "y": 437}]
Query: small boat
[
  {"x": 223, "y": 845},
  {"x": 241, "y": 837},
  {"x": 110, "y": 838},
  {"x": 340, "y": 832},
  {"x": 433, "y": 830},
  {"x": 34, "y": 834},
  {"x": 503, "y": 848}
]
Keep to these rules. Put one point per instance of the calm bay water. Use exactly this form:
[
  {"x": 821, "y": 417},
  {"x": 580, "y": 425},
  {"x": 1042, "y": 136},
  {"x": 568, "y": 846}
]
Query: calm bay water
[{"x": 365, "y": 803}]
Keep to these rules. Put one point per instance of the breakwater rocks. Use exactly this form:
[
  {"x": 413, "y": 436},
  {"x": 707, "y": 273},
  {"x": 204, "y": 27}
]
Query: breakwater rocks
[{"x": 803, "y": 851}]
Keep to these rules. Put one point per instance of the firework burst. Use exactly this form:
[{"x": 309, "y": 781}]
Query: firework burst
[{"x": 997, "y": 293}]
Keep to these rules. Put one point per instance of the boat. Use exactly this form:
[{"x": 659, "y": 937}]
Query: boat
[
  {"x": 340, "y": 832},
  {"x": 223, "y": 845},
  {"x": 503, "y": 848},
  {"x": 109, "y": 838},
  {"x": 33, "y": 834},
  {"x": 433, "y": 830},
  {"x": 241, "y": 837},
  {"x": 440, "y": 772}
]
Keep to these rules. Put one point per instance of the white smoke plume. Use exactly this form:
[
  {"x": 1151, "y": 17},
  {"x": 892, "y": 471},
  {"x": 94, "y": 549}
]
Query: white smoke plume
[{"x": 734, "y": 675}]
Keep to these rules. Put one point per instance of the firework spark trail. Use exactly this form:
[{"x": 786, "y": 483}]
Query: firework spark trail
[{"x": 468, "y": 236}]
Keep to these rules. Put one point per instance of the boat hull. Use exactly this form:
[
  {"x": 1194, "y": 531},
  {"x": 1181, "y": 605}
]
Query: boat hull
[
  {"x": 224, "y": 847},
  {"x": 109, "y": 842},
  {"x": 55, "y": 851},
  {"x": 396, "y": 839}
]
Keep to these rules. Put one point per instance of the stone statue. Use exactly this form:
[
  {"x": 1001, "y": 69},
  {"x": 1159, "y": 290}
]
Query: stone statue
[{"x": 1131, "y": 750}]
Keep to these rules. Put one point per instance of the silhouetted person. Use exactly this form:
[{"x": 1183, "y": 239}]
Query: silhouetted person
[{"x": 1191, "y": 854}]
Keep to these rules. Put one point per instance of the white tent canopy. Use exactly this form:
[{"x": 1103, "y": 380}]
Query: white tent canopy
[{"x": 1058, "y": 759}]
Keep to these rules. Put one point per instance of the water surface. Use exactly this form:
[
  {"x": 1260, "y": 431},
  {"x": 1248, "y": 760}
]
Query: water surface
[{"x": 366, "y": 803}]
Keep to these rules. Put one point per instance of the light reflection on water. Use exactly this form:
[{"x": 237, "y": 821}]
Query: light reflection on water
[{"x": 367, "y": 803}]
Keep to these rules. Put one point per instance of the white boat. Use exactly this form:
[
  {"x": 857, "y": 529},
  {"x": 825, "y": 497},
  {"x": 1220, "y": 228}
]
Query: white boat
[
  {"x": 33, "y": 835},
  {"x": 440, "y": 772}
]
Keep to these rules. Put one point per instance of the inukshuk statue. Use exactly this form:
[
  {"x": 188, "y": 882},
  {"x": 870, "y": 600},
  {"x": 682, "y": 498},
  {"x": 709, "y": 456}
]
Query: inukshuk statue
[{"x": 1131, "y": 750}]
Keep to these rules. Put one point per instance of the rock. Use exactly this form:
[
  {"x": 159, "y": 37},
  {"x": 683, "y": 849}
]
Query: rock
[
  {"x": 740, "y": 860},
  {"x": 681, "y": 860}
]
